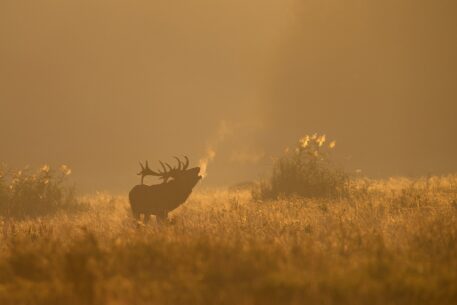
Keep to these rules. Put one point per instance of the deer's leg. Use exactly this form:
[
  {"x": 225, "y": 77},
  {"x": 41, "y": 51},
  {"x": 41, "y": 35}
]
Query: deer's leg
[
  {"x": 136, "y": 215},
  {"x": 162, "y": 217},
  {"x": 146, "y": 218}
]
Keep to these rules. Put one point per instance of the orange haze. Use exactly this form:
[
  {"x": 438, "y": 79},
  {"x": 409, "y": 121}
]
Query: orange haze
[{"x": 101, "y": 84}]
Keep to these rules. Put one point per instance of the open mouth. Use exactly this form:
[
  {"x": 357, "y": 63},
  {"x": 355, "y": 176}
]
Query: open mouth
[{"x": 200, "y": 173}]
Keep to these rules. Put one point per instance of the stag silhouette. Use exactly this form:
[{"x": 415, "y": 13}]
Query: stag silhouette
[{"x": 160, "y": 199}]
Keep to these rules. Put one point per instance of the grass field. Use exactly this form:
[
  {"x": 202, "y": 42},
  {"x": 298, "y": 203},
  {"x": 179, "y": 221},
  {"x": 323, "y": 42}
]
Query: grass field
[{"x": 390, "y": 242}]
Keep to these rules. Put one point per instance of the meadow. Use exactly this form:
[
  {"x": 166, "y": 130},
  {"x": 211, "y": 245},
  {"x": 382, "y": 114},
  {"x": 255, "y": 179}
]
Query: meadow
[{"x": 388, "y": 241}]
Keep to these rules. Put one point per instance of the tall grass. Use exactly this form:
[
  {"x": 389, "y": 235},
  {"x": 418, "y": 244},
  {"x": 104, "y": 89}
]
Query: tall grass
[{"x": 389, "y": 242}]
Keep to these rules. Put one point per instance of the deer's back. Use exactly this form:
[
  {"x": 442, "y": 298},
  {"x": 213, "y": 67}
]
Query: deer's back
[{"x": 149, "y": 199}]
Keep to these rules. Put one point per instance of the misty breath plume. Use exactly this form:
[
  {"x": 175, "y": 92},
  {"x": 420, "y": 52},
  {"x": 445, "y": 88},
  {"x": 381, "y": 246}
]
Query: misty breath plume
[
  {"x": 224, "y": 129},
  {"x": 207, "y": 158}
]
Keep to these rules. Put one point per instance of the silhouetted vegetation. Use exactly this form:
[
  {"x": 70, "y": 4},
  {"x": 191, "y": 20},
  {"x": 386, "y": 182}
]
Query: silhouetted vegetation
[
  {"x": 25, "y": 193},
  {"x": 305, "y": 171}
]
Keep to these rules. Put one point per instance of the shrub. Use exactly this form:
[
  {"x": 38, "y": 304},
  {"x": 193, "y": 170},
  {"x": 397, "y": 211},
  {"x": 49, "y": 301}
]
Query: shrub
[
  {"x": 306, "y": 171},
  {"x": 44, "y": 191}
]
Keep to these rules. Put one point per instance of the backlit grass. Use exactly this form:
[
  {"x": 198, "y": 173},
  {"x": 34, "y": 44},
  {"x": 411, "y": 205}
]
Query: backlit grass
[{"x": 389, "y": 242}]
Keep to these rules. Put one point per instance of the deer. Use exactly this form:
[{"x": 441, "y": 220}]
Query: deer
[{"x": 161, "y": 199}]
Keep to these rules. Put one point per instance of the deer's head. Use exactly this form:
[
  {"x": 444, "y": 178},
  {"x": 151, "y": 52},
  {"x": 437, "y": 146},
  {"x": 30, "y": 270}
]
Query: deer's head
[{"x": 180, "y": 173}]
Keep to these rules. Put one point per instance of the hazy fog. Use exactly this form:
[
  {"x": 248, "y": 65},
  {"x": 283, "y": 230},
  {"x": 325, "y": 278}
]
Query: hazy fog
[{"x": 101, "y": 84}]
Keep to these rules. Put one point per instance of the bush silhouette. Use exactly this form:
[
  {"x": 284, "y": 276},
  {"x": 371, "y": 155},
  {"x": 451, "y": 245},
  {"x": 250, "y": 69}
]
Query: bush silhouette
[
  {"x": 26, "y": 193},
  {"x": 306, "y": 171}
]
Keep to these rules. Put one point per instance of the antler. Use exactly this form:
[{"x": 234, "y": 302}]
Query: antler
[
  {"x": 167, "y": 170},
  {"x": 186, "y": 165},
  {"x": 179, "y": 163},
  {"x": 146, "y": 171},
  {"x": 165, "y": 174}
]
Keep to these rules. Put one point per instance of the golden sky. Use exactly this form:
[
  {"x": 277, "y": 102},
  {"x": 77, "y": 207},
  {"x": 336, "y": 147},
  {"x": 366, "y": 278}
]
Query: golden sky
[{"x": 101, "y": 84}]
